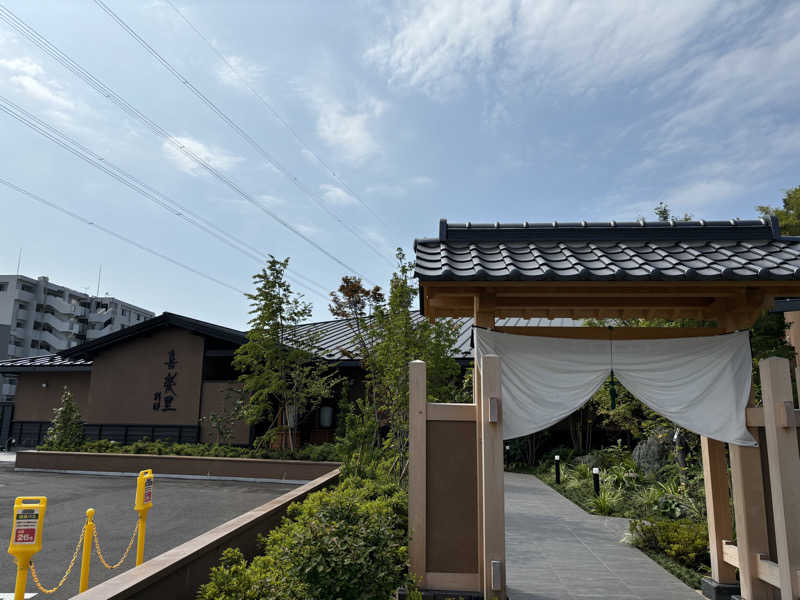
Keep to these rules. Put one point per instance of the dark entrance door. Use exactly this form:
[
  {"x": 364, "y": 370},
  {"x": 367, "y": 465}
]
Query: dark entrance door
[{"x": 6, "y": 416}]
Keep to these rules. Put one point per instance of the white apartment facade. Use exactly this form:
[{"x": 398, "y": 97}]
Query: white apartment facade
[{"x": 38, "y": 317}]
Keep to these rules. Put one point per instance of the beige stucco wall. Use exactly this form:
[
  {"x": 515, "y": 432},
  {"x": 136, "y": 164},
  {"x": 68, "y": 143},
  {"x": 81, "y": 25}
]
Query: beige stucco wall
[
  {"x": 218, "y": 399},
  {"x": 36, "y": 403},
  {"x": 126, "y": 376}
]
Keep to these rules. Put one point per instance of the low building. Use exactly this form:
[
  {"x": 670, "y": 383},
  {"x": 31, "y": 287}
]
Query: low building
[{"x": 165, "y": 378}]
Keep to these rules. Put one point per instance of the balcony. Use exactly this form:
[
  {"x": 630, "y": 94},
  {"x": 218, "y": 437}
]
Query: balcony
[
  {"x": 26, "y": 296},
  {"x": 22, "y": 314},
  {"x": 56, "y": 342},
  {"x": 93, "y": 334},
  {"x": 60, "y": 324},
  {"x": 100, "y": 316},
  {"x": 62, "y": 306}
]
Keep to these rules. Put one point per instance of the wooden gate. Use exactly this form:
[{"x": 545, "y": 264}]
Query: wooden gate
[{"x": 455, "y": 488}]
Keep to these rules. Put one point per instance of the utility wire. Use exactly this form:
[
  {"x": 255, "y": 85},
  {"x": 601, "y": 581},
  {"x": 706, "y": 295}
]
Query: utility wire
[
  {"x": 116, "y": 235},
  {"x": 266, "y": 155},
  {"x": 76, "y": 148},
  {"x": 43, "y": 44},
  {"x": 274, "y": 112}
]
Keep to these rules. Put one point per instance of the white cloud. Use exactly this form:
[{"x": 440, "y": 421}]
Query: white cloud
[
  {"x": 246, "y": 72},
  {"x": 42, "y": 92},
  {"x": 700, "y": 195},
  {"x": 307, "y": 230},
  {"x": 387, "y": 189},
  {"x": 28, "y": 77},
  {"x": 422, "y": 180},
  {"x": 271, "y": 200},
  {"x": 23, "y": 65},
  {"x": 336, "y": 195},
  {"x": 436, "y": 44},
  {"x": 441, "y": 45},
  {"x": 214, "y": 156},
  {"x": 348, "y": 129}
]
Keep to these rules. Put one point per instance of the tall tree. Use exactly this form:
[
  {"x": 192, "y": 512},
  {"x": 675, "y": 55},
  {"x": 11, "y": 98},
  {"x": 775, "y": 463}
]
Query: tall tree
[
  {"x": 789, "y": 215},
  {"x": 282, "y": 375},
  {"x": 394, "y": 337}
]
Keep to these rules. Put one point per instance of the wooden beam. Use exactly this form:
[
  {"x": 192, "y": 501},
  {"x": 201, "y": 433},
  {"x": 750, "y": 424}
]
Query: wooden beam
[
  {"x": 778, "y": 288},
  {"x": 755, "y": 416},
  {"x": 749, "y": 508},
  {"x": 784, "y": 470},
  {"x": 451, "y": 412},
  {"x": 617, "y": 333},
  {"x": 766, "y": 569},
  {"x": 492, "y": 483},
  {"x": 720, "y": 524},
  {"x": 417, "y": 468}
]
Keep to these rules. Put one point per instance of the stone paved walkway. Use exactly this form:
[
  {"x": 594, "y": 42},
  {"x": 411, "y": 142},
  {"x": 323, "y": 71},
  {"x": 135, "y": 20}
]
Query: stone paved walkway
[{"x": 557, "y": 551}]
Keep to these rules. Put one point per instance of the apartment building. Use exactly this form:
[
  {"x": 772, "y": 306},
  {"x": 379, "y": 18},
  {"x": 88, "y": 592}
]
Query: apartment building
[{"x": 38, "y": 317}]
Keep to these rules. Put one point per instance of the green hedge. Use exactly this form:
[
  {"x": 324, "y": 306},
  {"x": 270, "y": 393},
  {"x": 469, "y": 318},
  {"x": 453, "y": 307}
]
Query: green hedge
[
  {"x": 319, "y": 452},
  {"x": 348, "y": 542}
]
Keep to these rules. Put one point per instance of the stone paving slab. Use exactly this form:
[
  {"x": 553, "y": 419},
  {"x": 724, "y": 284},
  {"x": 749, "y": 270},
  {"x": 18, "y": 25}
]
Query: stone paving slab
[{"x": 557, "y": 551}]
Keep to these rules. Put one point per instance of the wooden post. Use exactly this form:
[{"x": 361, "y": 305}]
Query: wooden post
[
  {"x": 720, "y": 526},
  {"x": 784, "y": 469},
  {"x": 417, "y": 463},
  {"x": 483, "y": 316},
  {"x": 751, "y": 521},
  {"x": 493, "y": 551}
]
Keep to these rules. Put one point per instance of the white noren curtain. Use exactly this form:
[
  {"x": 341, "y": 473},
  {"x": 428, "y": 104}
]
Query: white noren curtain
[{"x": 701, "y": 384}]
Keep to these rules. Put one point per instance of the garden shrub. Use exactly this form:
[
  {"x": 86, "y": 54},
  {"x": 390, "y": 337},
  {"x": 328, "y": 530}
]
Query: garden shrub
[
  {"x": 607, "y": 501},
  {"x": 345, "y": 543},
  {"x": 683, "y": 540},
  {"x": 318, "y": 452},
  {"x": 66, "y": 430}
]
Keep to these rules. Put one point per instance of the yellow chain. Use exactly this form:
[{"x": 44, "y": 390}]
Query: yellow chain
[
  {"x": 69, "y": 568},
  {"x": 124, "y": 556}
]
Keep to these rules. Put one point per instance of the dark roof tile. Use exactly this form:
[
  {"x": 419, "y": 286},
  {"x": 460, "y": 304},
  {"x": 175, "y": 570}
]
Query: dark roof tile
[{"x": 693, "y": 250}]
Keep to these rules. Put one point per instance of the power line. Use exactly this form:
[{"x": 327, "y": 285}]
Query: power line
[
  {"x": 275, "y": 113},
  {"x": 267, "y": 156},
  {"x": 116, "y": 235},
  {"x": 76, "y": 148},
  {"x": 43, "y": 44}
]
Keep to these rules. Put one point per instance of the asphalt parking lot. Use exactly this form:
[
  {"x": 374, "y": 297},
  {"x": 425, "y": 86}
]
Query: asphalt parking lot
[{"x": 182, "y": 509}]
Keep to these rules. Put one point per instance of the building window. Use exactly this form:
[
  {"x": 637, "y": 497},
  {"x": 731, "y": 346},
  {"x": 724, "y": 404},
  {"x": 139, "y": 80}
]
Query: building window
[
  {"x": 138, "y": 317},
  {"x": 21, "y": 324},
  {"x": 27, "y": 288},
  {"x": 3, "y": 286},
  {"x": 34, "y": 344},
  {"x": 124, "y": 312}
]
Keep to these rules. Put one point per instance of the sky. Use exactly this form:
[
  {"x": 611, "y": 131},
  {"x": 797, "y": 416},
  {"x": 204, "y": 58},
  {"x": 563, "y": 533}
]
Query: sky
[{"x": 334, "y": 132}]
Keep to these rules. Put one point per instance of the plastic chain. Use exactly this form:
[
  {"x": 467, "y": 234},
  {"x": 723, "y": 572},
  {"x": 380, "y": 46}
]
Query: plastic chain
[
  {"x": 124, "y": 556},
  {"x": 43, "y": 589}
]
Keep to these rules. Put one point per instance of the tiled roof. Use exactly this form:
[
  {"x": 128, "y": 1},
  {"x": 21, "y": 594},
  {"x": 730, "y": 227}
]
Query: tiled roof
[
  {"x": 43, "y": 363},
  {"x": 336, "y": 341},
  {"x": 667, "y": 251},
  {"x": 337, "y": 337},
  {"x": 166, "y": 319}
]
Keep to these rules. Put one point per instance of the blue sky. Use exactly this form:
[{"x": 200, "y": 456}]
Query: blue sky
[{"x": 484, "y": 111}]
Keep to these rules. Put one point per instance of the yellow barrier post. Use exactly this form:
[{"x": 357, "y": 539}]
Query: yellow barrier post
[
  {"x": 86, "y": 557},
  {"x": 144, "y": 502},
  {"x": 26, "y": 537}
]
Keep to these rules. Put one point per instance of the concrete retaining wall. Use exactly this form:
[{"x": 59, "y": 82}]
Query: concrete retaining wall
[
  {"x": 178, "y": 573},
  {"x": 297, "y": 471}
]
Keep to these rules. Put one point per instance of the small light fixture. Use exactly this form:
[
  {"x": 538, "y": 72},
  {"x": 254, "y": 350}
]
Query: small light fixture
[{"x": 44, "y": 385}]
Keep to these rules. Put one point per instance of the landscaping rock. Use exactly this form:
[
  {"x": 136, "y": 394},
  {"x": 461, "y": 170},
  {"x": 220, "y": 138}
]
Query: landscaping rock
[{"x": 653, "y": 452}]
